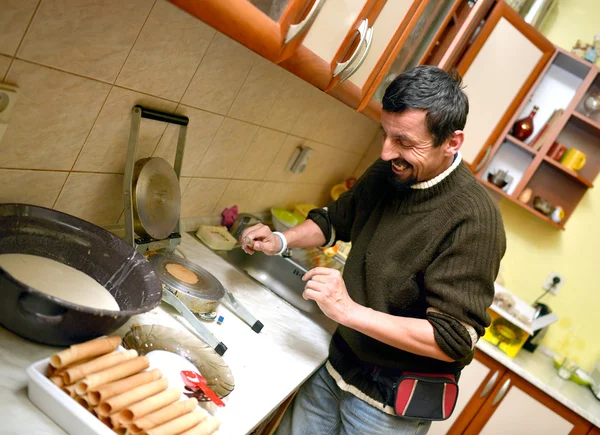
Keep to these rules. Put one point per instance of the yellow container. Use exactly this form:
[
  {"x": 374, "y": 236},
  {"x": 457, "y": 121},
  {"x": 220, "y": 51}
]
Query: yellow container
[
  {"x": 304, "y": 209},
  {"x": 573, "y": 159},
  {"x": 505, "y": 335}
]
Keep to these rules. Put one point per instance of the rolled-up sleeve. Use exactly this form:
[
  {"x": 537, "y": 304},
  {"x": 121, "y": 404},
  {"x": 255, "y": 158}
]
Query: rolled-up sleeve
[{"x": 459, "y": 284}]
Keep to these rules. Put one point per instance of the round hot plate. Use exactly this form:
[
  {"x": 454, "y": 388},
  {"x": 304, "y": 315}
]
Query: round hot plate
[{"x": 183, "y": 276}]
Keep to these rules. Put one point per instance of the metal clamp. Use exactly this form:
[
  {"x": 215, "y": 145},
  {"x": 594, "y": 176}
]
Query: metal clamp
[
  {"x": 500, "y": 394},
  {"x": 490, "y": 384},
  {"x": 368, "y": 42},
  {"x": 296, "y": 30}
]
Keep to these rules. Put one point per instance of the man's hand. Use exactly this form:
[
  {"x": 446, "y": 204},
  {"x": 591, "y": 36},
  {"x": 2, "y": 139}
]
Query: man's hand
[
  {"x": 260, "y": 238},
  {"x": 327, "y": 288}
]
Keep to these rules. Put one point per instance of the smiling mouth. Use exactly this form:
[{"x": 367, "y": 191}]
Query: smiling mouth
[{"x": 400, "y": 167}]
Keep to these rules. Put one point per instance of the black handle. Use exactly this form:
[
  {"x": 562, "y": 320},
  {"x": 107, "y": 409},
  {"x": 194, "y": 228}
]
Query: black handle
[
  {"x": 221, "y": 349},
  {"x": 171, "y": 118}
]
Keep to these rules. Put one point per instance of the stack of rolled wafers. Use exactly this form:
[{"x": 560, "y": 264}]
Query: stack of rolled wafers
[{"x": 117, "y": 387}]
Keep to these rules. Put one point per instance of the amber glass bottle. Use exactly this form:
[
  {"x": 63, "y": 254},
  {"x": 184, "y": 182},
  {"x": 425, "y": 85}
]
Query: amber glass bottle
[{"x": 523, "y": 128}]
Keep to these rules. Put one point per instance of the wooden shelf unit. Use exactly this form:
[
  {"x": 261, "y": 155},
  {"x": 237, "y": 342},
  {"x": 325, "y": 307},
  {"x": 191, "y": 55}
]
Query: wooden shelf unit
[{"x": 563, "y": 84}]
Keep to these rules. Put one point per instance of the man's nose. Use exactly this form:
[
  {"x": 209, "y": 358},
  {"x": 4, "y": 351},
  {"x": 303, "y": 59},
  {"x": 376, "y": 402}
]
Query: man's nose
[{"x": 387, "y": 151}]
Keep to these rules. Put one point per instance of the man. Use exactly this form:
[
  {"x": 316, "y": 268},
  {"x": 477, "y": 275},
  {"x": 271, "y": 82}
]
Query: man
[{"x": 427, "y": 241}]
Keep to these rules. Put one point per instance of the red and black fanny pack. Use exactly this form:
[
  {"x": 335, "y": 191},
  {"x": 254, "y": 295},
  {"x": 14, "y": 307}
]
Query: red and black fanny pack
[{"x": 421, "y": 396}]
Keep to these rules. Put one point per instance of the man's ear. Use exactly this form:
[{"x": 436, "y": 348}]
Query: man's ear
[{"x": 455, "y": 142}]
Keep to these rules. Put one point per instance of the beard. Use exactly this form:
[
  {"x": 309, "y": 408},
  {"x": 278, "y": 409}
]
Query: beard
[{"x": 401, "y": 186}]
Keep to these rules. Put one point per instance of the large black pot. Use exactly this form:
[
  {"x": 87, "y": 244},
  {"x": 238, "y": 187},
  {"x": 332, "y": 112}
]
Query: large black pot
[{"x": 125, "y": 273}]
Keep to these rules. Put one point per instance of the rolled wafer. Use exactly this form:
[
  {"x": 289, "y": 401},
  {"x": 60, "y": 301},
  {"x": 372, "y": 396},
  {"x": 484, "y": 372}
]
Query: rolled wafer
[
  {"x": 206, "y": 427},
  {"x": 76, "y": 373},
  {"x": 115, "y": 421},
  {"x": 150, "y": 404},
  {"x": 70, "y": 390},
  {"x": 178, "y": 425},
  {"x": 82, "y": 401},
  {"x": 117, "y": 403},
  {"x": 104, "y": 419},
  {"x": 120, "y": 430},
  {"x": 101, "y": 393},
  {"x": 77, "y": 352},
  {"x": 163, "y": 415},
  {"x": 58, "y": 381},
  {"x": 120, "y": 371}
]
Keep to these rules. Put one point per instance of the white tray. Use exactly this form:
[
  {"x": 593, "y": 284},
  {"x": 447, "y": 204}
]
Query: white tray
[{"x": 59, "y": 406}]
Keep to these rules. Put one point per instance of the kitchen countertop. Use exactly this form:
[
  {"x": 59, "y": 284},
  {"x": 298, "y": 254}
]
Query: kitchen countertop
[
  {"x": 267, "y": 367},
  {"x": 538, "y": 369}
]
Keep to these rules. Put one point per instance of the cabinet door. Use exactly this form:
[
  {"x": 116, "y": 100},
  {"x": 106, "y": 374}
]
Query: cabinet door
[
  {"x": 476, "y": 382},
  {"x": 336, "y": 21},
  {"x": 272, "y": 28},
  {"x": 515, "y": 406},
  {"x": 498, "y": 70}
]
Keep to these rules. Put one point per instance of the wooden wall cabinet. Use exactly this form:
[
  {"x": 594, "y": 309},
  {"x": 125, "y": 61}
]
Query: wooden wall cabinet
[
  {"x": 564, "y": 84},
  {"x": 271, "y": 28}
]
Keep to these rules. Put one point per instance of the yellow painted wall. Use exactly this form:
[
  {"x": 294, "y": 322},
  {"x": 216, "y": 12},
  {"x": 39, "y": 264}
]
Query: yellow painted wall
[{"x": 535, "y": 248}]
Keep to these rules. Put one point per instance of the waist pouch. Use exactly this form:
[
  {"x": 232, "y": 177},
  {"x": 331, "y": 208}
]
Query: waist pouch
[{"x": 421, "y": 396}]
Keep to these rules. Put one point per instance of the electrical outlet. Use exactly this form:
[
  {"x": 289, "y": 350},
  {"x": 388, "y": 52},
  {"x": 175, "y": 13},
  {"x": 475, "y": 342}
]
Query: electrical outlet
[{"x": 553, "y": 286}]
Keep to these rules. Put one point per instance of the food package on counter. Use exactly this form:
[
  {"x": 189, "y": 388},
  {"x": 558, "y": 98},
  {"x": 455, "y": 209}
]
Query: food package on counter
[
  {"x": 216, "y": 237},
  {"x": 512, "y": 322}
]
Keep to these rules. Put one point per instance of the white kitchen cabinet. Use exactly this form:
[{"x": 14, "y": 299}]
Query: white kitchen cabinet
[
  {"x": 333, "y": 25},
  {"x": 515, "y": 406}
]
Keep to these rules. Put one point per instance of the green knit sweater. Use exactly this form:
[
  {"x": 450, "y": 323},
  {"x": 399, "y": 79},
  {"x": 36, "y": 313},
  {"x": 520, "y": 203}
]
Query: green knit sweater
[{"x": 430, "y": 253}]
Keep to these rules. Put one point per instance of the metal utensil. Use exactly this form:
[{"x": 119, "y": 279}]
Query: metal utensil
[
  {"x": 242, "y": 312},
  {"x": 202, "y": 330}
]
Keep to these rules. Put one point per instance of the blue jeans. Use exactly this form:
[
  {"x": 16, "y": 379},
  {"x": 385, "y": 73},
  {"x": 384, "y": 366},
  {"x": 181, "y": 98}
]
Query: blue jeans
[{"x": 322, "y": 408}]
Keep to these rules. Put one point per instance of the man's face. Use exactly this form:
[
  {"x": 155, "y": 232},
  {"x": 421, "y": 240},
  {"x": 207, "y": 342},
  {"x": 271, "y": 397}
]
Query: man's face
[{"x": 409, "y": 146}]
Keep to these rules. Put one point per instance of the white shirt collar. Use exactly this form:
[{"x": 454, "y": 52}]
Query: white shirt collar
[{"x": 430, "y": 183}]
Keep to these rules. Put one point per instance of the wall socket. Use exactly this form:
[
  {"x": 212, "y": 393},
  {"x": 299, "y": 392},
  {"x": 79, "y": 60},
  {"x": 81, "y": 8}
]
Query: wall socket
[{"x": 551, "y": 286}]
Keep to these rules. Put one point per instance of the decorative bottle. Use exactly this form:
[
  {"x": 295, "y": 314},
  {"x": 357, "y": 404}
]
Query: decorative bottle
[{"x": 523, "y": 128}]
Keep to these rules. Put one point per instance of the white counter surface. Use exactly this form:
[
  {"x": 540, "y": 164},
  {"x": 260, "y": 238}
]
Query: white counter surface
[
  {"x": 267, "y": 367},
  {"x": 538, "y": 369}
]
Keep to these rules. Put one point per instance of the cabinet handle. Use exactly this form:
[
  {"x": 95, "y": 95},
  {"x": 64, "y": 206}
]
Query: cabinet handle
[
  {"x": 296, "y": 30},
  {"x": 362, "y": 30},
  {"x": 500, "y": 394},
  {"x": 490, "y": 384},
  {"x": 368, "y": 41}
]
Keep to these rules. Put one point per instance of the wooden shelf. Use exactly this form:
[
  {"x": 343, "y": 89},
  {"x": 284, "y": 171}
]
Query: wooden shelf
[
  {"x": 526, "y": 207},
  {"x": 521, "y": 144},
  {"x": 591, "y": 123},
  {"x": 568, "y": 171}
]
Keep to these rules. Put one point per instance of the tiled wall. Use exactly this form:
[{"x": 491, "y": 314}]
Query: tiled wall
[{"x": 81, "y": 65}]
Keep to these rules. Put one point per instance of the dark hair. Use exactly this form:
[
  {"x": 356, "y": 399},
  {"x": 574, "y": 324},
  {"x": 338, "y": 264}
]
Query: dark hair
[{"x": 434, "y": 90}]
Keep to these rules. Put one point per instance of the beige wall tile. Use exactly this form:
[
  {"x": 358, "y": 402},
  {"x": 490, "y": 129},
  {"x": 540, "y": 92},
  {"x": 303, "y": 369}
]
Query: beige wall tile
[
  {"x": 106, "y": 147},
  {"x": 52, "y": 117},
  {"x": 258, "y": 158},
  {"x": 200, "y": 132},
  {"x": 227, "y": 149},
  {"x": 4, "y": 64},
  {"x": 97, "y": 198},
  {"x": 201, "y": 196},
  {"x": 184, "y": 182},
  {"x": 258, "y": 93},
  {"x": 86, "y": 37},
  {"x": 325, "y": 119},
  {"x": 372, "y": 154},
  {"x": 295, "y": 95},
  {"x": 240, "y": 193},
  {"x": 14, "y": 18},
  {"x": 220, "y": 75},
  {"x": 326, "y": 165},
  {"x": 31, "y": 187},
  {"x": 167, "y": 52},
  {"x": 271, "y": 194}
]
